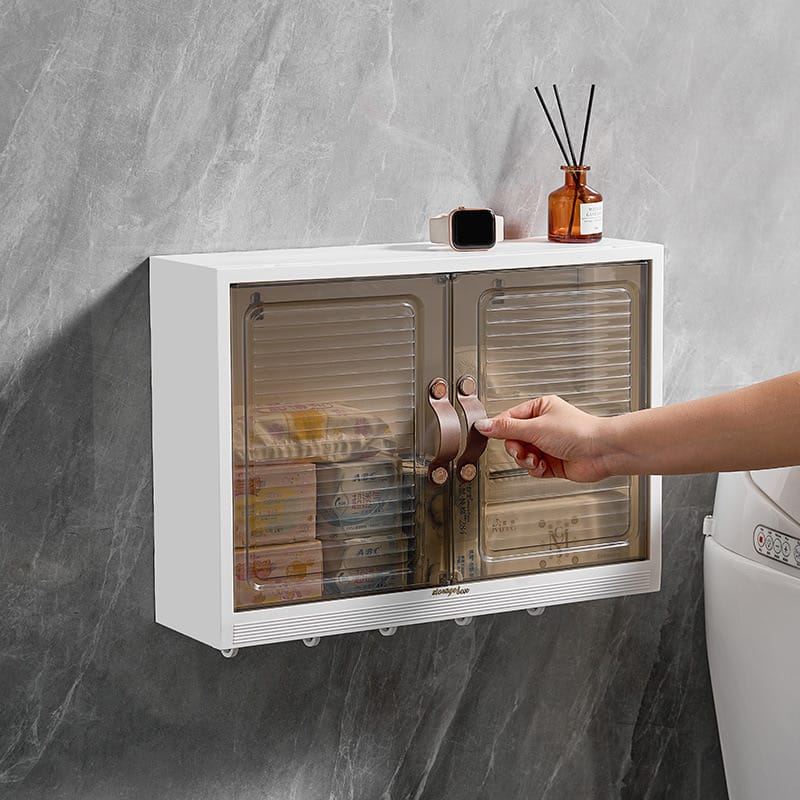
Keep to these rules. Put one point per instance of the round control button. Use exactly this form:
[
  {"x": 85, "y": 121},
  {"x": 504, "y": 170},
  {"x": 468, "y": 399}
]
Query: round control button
[
  {"x": 769, "y": 543},
  {"x": 786, "y": 549},
  {"x": 760, "y": 538}
]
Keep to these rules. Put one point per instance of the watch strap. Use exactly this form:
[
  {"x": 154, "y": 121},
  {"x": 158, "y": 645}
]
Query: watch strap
[{"x": 439, "y": 228}]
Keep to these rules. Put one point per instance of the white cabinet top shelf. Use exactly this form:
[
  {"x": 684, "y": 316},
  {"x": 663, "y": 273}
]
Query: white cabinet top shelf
[{"x": 315, "y": 263}]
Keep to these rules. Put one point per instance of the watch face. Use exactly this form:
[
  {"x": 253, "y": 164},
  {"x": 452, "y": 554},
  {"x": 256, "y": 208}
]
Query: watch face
[{"x": 473, "y": 229}]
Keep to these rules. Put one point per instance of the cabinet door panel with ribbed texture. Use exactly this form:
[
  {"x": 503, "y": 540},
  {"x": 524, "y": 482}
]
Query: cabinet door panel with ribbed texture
[
  {"x": 331, "y": 434},
  {"x": 580, "y": 333}
]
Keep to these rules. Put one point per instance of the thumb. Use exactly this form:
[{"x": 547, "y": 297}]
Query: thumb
[{"x": 505, "y": 428}]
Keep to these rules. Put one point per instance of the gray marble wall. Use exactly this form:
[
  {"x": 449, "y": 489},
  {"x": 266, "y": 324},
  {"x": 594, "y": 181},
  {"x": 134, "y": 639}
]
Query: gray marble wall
[{"x": 131, "y": 128}]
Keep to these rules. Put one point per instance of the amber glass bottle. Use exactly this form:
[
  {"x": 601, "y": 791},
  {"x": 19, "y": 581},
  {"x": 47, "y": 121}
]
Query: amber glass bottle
[{"x": 575, "y": 211}]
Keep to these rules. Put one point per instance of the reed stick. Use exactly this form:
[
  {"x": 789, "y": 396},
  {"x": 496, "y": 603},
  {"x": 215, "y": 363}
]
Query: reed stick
[
  {"x": 586, "y": 124},
  {"x": 583, "y": 150},
  {"x": 552, "y": 125},
  {"x": 564, "y": 123}
]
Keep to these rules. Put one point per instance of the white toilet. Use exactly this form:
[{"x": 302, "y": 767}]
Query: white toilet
[{"x": 752, "y": 602}]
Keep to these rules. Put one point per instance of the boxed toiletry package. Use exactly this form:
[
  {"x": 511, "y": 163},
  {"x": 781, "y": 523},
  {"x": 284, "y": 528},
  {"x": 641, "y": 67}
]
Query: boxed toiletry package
[
  {"x": 360, "y": 563},
  {"x": 278, "y": 500},
  {"x": 359, "y": 520},
  {"x": 278, "y": 573},
  {"x": 364, "y": 551},
  {"x": 359, "y": 497},
  {"x": 315, "y": 432},
  {"x": 366, "y": 579}
]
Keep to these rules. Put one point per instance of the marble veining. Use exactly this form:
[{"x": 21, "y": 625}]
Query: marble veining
[{"x": 133, "y": 129}]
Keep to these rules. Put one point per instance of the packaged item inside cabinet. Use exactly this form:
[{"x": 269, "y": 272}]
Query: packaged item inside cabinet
[
  {"x": 364, "y": 551},
  {"x": 359, "y": 497},
  {"x": 321, "y": 432},
  {"x": 556, "y": 524},
  {"x": 467, "y": 563},
  {"x": 280, "y": 500},
  {"x": 556, "y": 532},
  {"x": 278, "y": 573},
  {"x": 366, "y": 579}
]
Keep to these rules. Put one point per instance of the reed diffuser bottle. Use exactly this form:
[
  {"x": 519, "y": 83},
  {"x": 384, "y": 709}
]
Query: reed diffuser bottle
[{"x": 574, "y": 210}]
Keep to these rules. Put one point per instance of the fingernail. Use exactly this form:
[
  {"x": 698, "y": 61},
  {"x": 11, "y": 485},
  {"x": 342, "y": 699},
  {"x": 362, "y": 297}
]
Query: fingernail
[
  {"x": 530, "y": 462},
  {"x": 482, "y": 424}
]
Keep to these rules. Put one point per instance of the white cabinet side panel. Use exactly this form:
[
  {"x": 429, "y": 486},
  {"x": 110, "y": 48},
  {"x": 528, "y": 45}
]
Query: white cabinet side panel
[{"x": 186, "y": 448}]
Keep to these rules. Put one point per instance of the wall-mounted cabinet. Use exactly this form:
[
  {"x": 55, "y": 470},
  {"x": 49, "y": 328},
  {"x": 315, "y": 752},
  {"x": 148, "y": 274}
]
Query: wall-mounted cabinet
[{"x": 315, "y": 466}]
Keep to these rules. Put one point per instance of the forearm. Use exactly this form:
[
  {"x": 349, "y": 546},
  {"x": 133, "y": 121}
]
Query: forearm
[{"x": 752, "y": 428}]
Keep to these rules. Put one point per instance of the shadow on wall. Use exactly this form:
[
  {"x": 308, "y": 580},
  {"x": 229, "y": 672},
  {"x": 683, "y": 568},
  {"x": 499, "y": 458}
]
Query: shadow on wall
[
  {"x": 76, "y": 510},
  {"x": 100, "y": 701}
]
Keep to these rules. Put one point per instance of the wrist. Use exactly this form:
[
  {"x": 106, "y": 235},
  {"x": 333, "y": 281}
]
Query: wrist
[{"x": 612, "y": 446}]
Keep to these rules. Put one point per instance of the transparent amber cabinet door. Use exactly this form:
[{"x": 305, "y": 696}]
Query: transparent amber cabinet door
[
  {"x": 578, "y": 332},
  {"x": 330, "y": 438}
]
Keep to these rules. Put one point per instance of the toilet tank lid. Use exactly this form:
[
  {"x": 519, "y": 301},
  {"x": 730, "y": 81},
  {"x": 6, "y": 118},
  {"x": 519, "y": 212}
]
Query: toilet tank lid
[{"x": 782, "y": 487}]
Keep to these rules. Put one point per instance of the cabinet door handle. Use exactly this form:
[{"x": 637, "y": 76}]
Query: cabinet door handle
[
  {"x": 449, "y": 431},
  {"x": 467, "y": 394}
]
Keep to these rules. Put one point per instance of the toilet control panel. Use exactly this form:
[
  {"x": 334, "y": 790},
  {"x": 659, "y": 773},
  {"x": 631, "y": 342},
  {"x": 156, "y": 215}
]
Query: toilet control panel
[{"x": 776, "y": 545}]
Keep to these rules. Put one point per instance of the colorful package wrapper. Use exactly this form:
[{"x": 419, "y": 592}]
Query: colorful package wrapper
[
  {"x": 280, "y": 501},
  {"x": 277, "y": 574},
  {"x": 365, "y": 551},
  {"x": 359, "y": 498},
  {"x": 363, "y": 580},
  {"x": 313, "y": 432}
]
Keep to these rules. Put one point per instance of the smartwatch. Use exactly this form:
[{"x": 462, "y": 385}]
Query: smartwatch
[{"x": 467, "y": 228}]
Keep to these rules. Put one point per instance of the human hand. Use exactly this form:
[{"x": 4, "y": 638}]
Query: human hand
[{"x": 550, "y": 438}]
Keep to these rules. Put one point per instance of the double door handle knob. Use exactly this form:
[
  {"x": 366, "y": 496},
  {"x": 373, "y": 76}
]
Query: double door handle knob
[
  {"x": 450, "y": 429},
  {"x": 467, "y": 395}
]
